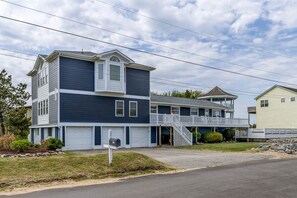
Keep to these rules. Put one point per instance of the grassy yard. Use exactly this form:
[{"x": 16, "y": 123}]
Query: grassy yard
[
  {"x": 17, "y": 172},
  {"x": 224, "y": 147}
]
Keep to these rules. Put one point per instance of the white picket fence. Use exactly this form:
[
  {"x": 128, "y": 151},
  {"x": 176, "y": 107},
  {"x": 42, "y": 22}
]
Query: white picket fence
[{"x": 267, "y": 133}]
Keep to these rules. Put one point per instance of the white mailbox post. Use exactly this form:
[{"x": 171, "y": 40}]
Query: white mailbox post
[{"x": 112, "y": 144}]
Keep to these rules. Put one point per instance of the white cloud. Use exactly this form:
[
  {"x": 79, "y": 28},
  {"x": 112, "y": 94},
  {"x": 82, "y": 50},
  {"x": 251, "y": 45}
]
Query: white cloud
[{"x": 219, "y": 27}]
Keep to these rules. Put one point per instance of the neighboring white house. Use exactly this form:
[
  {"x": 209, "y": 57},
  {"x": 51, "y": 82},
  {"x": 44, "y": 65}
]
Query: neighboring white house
[{"x": 276, "y": 113}]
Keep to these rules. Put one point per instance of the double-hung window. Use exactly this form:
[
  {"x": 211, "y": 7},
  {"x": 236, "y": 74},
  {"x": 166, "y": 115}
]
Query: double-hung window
[
  {"x": 292, "y": 99},
  {"x": 119, "y": 108},
  {"x": 175, "y": 110},
  {"x": 154, "y": 109},
  {"x": 194, "y": 111},
  {"x": 133, "y": 108},
  {"x": 115, "y": 72}
]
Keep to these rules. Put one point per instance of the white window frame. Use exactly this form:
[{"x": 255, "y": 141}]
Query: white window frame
[
  {"x": 197, "y": 111},
  {"x": 156, "y": 108},
  {"x": 283, "y": 100},
  {"x": 100, "y": 73},
  {"x": 136, "y": 109},
  {"x": 116, "y": 114},
  {"x": 115, "y": 65},
  {"x": 177, "y": 108}
]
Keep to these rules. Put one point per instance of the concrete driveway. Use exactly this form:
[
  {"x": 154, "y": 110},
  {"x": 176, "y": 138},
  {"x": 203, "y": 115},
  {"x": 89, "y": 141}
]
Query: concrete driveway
[{"x": 191, "y": 159}]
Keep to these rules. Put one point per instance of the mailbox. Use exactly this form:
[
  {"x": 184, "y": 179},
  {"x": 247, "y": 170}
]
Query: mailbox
[{"x": 115, "y": 142}]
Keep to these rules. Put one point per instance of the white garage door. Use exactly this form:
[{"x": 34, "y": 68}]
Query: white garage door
[
  {"x": 78, "y": 138},
  {"x": 139, "y": 136},
  {"x": 117, "y": 132}
]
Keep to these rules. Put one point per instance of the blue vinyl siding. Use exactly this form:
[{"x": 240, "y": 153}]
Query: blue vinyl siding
[
  {"x": 137, "y": 82},
  {"x": 127, "y": 135},
  {"x": 57, "y": 132},
  {"x": 164, "y": 109},
  {"x": 201, "y": 112},
  {"x": 153, "y": 135},
  {"x": 76, "y": 74},
  {"x": 97, "y": 135},
  {"x": 42, "y": 134},
  {"x": 99, "y": 109},
  {"x": 32, "y": 135},
  {"x": 63, "y": 135},
  {"x": 185, "y": 111}
]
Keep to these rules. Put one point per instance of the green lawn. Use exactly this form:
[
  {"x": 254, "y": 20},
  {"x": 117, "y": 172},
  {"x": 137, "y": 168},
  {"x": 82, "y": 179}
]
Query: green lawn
[
  {"x": 224, "y": 147},
  {"x": 17, "y": 172}
]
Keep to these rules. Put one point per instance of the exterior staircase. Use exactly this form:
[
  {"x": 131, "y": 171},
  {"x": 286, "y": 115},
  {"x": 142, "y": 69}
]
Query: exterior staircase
[{"x": 182, "y": 136}]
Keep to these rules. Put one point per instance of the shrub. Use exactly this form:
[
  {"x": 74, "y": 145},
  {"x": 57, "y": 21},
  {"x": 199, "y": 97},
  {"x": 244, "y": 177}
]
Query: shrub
[
  {"x": 5, "y": 141},
  {"x": 196, "y": 136},
  {"x": 213, "y": 137},
  {"x": 53, "y": 143},
  {"x": 229, "y": 134},
  {"x": 20, "y": 145}
]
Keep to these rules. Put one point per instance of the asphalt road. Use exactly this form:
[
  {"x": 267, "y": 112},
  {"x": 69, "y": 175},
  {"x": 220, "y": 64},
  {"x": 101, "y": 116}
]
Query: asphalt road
[{"x": 265, "y": 178}]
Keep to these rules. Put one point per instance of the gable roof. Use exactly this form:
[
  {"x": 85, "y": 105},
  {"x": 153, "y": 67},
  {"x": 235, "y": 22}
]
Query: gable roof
[
  {"x": 280, "y": 86},
  {"x": 85, "y": 55},
  {"x": 217, "y": 92},
  {"x": 185, "y": 101},
  {"x": 117, "y": 52}
]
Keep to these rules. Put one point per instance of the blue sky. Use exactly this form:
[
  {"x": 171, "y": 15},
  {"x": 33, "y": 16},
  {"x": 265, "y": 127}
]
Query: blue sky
[{"x": 254, "y": 34}]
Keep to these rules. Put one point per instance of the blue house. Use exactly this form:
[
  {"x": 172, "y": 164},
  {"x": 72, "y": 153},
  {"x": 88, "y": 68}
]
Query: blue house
[{"x": 78, "y": 96}]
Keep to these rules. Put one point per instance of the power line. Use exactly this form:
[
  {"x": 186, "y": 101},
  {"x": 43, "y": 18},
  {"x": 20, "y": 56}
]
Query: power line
[
  {"x": 150, "y": 42},
  {"x": 9, "y": 55},
  {"x": 145, "y": 52},
  {"x": 189, "y": 30},
  {"x": 166, "y": 83}
]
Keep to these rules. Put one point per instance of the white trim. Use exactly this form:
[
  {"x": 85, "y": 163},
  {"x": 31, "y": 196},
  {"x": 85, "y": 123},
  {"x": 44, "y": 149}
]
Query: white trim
[
  {"x": 58, "y": 92},
  {"x": 186, "y": 105},
  {"x": 35, "y": 100},
  {"x": 135, "y": 109},
  {"x": 101, "y": 124},
  {"x": 115, "y": 108},
  {"x": 97, "y": 94}
]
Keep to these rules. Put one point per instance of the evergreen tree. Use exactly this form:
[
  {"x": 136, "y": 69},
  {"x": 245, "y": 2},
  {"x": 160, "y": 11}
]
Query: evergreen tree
[{"x": 12, "y": 99}]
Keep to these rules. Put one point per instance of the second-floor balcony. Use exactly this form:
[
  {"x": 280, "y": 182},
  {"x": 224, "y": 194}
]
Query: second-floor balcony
[{"x": 197, "y": 121}]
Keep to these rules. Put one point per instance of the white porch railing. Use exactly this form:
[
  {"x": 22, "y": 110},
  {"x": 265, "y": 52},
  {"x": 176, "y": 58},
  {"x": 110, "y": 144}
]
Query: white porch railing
[
  {"x": 163, "y": 119},
  {"x": 267, "y": 133},
  {"x": 182, "y": 130}
]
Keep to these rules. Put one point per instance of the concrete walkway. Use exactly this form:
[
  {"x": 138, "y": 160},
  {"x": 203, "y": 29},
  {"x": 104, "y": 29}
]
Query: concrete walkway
[{"x": 191, "y": 159}]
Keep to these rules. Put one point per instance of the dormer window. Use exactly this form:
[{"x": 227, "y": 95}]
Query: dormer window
[
  {"x": 109, "y": 75},
  {"x": 115, "y": 72},
  {"x": 114, "y": 59}
]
